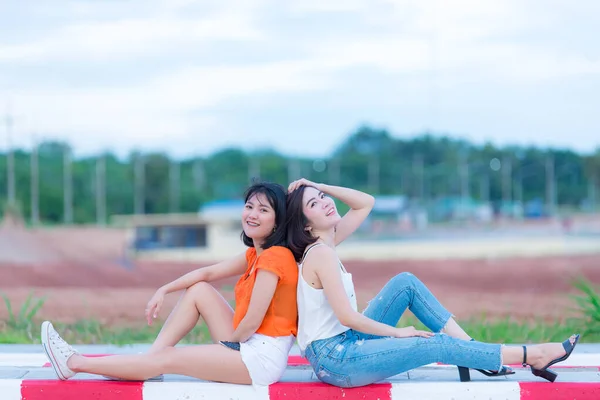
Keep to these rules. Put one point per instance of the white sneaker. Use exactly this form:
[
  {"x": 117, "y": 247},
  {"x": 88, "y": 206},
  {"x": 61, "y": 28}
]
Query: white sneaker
[{"x": 57, "y": 350}]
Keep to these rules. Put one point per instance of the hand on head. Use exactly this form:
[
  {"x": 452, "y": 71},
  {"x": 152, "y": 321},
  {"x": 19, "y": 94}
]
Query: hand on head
[{"x": 300, "y": 182}]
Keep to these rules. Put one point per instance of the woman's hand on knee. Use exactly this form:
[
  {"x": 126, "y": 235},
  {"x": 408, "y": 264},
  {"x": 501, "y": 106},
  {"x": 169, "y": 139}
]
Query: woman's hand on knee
[
  {"x": 410, "y": 331},
  {"x": 154, "y": 305}
]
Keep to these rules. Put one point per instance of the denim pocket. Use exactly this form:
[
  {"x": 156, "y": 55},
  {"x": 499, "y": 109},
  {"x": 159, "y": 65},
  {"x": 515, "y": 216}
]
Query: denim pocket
[
  {"x": 331, "y": 378},
  {"x": 325, "y": 347}
]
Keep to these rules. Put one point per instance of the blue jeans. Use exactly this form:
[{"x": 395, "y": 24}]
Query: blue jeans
[{"x": 353, "y": 358}]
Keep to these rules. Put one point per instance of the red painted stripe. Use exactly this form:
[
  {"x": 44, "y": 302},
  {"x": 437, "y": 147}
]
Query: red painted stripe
[
  {"x": 560, "y": 390},
  {"x": 77, "y": 390},
  {"x": 297, "y": 360},
  {"x": 318, "y": 390}
]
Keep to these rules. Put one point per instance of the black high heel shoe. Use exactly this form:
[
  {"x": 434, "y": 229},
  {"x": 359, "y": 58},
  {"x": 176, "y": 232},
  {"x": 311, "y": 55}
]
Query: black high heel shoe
[
  {"x": 545, "y": 372},
  {"x": 465, "y": 375}
]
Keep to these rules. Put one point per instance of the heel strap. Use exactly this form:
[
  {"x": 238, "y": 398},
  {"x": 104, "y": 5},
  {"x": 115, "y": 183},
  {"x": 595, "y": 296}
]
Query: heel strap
[{"x": 524, "y": 356}]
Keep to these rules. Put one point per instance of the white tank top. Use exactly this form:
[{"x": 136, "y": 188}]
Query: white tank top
[{"x": 316, "y": 319}]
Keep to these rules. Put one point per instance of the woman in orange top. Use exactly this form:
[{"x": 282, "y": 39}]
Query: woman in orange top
[{"x": 254, "y": 340}]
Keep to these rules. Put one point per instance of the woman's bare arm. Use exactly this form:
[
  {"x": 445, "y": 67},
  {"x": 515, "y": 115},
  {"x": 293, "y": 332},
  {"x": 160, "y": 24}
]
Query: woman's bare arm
[
  {"x": 262, "y": 295},
  {"x": 231, "y": 267},
  {"x": 325, "y": 263}
]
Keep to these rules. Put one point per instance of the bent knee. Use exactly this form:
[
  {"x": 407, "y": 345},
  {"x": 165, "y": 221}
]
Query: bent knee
[
  {"x": 199, "y": 288},
  {"x": 405, "y": 278}
]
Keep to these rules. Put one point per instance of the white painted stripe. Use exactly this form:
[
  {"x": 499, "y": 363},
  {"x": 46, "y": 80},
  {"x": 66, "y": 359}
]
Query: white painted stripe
[
  {"x": 10, "y": 389},
  {"x": 456, "y": 391},
  {"x": 23, "y": 359},
  {"x": 582, "y": 360},
  {"x": 204, "y": 391}
]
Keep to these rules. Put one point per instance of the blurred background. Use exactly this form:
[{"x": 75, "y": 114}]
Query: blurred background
[{"x": 131, "y": 129}]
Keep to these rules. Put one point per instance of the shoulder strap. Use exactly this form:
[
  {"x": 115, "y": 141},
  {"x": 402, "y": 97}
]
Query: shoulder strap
[
  {"x": 308, "y": 249},
  {"x": 312, "y": 246}
]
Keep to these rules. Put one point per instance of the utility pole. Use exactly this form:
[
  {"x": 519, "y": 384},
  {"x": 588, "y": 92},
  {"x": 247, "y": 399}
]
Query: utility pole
[
  {"x": 550, "y": 185},
  {"x": 506, "y": 179},
  {"x": 464, "y": 179},
  {"x": 294, "y": 170},
  {"x": 592, "y": 191},
  {"x": 10, "y": 158},
  {"x": 484, "y": 187},
  {"x": 174, "y": 186},
  {"x": 518, "y": 188},
  {"x": 253, "y": 169},
  {"x": 198, "y": 175},
  {"x": 101, "y": 190},
  {"x": 419, "y": 174},
  {"x": 35, "y": 183},
  {"x": 402, "y": 178},
  {"x": 374, "y": 175},
  {"x": 67, "y": 186},
  {"x": 139, "y": 184},
  {"x": 334, "y": 171}
]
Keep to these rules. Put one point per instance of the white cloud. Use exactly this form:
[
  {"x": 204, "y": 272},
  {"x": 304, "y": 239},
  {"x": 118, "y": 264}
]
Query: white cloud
[
  {"x": 132, "y": 37},
  {"x": 307, "y": 7},
  {"x": 142, "y": 115},
  {"x": 434, "y": 42},
  {"x": 480, "y": 38}
]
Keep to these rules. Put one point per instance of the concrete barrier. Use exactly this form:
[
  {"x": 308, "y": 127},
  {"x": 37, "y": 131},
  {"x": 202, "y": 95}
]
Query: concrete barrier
[
  {"x": 14, "y": 389},
  {"x": 27, "y": 376}
]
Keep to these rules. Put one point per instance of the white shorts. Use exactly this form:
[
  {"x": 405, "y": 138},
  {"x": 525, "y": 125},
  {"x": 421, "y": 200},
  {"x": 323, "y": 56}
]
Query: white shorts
[{"x": 266, "y": 357}]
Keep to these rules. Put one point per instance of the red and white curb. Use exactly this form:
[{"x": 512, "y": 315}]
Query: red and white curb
[
  {"x": 14, "y": 389},
  {"x": 53, "y": 389}
]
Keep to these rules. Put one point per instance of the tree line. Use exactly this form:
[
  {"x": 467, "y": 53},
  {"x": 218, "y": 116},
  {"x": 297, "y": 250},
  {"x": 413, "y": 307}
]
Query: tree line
[{"x": 49, "y": 185}]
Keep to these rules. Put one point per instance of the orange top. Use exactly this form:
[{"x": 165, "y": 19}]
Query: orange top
[{"x": 281, "y": 318}]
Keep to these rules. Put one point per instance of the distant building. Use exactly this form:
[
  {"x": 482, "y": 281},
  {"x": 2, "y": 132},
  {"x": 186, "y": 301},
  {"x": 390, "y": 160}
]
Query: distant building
[
  {"x": 392, "y": 214},
  {"x": 222, "y": 209},
  {"x": 215, "y": 229}
]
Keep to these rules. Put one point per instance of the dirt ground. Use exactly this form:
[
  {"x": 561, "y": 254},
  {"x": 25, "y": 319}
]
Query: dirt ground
[{"x": 522, "y": 288}]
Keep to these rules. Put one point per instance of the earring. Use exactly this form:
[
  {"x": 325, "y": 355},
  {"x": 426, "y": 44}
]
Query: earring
[{"x": 274, "y": 228}]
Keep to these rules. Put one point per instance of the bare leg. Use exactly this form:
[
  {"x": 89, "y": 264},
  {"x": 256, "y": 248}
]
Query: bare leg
[
  {"x": 209, "y": 362},
  {"x": 453, "y": 329},
  {"x": 200, "y": 300}
]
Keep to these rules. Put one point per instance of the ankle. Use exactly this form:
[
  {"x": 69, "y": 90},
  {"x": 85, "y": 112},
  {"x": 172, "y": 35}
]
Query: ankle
[
  {"x": 534, "y": 355},
  {"x": 75, "y": 362}
]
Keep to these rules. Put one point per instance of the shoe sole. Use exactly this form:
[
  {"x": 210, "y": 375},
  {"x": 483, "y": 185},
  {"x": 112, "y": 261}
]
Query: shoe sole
[
  {"x": 45, "y": 327},
  {"x": 158, "y": 378}
]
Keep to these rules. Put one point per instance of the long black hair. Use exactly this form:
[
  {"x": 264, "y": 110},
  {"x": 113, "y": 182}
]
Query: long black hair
[
  {"x": 298, "y": 238},
  {"x": 275, "y": 194}
]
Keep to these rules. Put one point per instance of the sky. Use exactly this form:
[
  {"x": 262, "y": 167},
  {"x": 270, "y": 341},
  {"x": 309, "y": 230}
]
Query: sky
[{"x": 193, "y": 77}]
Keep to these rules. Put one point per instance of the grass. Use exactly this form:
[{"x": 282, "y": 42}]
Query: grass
[
  {"x": 91, "y": 331},
  {"x": 509, "y": 331},
  {"x": 23, "y": 327}
]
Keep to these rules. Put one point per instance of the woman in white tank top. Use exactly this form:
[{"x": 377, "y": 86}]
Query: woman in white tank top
[{"x": 349, "y": 349}]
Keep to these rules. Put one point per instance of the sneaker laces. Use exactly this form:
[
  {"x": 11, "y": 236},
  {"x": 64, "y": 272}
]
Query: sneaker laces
[{"x": 62, "y": 346}]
